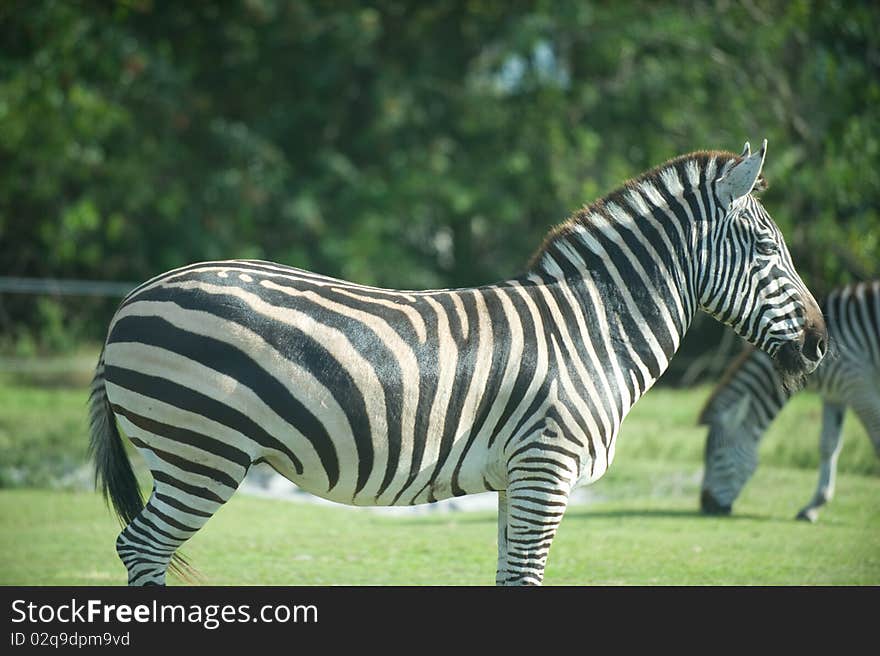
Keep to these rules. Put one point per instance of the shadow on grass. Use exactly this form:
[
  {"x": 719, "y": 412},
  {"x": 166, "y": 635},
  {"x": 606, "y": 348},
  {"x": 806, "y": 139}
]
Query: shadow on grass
[
  {"x": 578, "y": 513},
  {"x": 665, "y": 513}
]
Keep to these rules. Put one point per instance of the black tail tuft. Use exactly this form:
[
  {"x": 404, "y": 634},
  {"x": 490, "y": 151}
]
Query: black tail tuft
[{"x": 113, "y": 473}]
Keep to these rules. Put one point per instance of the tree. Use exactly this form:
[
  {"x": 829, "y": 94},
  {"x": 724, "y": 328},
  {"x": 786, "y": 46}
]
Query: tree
[{"x": 411, "y": 144}]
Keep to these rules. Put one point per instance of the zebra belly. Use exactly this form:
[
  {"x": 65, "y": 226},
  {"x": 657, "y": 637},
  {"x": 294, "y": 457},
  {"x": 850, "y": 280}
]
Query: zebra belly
[
  {"x": 592, "y": 469},
  {"x": 419, "y": 490}
]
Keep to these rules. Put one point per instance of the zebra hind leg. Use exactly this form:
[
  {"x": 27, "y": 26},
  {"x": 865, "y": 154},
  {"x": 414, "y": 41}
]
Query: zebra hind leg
[
  {"x": 175, "y": 511},
  {"x": 829, "y": 448},
  {"x": 867, "y": 406}
]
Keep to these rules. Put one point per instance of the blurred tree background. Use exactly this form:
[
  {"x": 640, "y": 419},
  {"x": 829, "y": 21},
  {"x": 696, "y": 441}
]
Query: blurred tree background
[{"x": 407, "y": 144}]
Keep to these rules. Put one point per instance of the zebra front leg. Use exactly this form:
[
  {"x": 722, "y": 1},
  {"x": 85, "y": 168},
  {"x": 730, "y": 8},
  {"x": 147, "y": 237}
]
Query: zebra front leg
[
  {"x": 501, "y": 570},
  {"x": 829, "y": 448},
  {"x": 535, "y": 504}
]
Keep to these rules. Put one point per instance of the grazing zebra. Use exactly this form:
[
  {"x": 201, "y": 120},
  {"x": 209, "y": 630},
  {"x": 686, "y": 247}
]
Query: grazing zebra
[
  {"x": 369, "y": 396},
  {"x": 751, "y": 394}
]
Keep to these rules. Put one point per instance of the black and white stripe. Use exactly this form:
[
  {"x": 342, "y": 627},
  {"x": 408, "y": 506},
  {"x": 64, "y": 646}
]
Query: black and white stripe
[
  {"x": 371, "y": 396},
  {"x": 751, "y": 394}
]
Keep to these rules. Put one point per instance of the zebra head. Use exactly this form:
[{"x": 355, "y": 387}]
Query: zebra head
[
  {"x": 731, "y": 457},
  {"x": 749, "y": 281}
]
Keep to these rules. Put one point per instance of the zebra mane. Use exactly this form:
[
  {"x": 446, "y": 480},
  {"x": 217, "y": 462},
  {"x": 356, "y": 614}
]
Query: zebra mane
[
  {"x": 618, "y": 197},
  {"x": 705, "y": 413}
]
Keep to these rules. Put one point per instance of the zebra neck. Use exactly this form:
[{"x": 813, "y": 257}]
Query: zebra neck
[
  {"x": 756, "y": 379},
  {"x": 629, "y": 294}
]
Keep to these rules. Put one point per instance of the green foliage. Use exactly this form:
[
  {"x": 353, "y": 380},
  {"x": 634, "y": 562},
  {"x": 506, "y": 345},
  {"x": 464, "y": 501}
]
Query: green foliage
[{"x": 411, "y": 144}]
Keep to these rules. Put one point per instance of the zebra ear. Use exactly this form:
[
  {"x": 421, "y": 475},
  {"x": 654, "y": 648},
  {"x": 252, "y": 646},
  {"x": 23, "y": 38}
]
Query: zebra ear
[
  {"x": 741, "y": 179},
  {"x": 736, "y": 414}
]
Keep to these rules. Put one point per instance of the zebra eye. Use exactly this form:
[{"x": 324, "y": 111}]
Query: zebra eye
[{"x": 767, "y": 247}]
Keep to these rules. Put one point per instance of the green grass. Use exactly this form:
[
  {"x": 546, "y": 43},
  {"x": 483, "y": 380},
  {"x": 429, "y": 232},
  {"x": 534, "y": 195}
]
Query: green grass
[
  {"x": 644, "y": 530},
  {"x": 53, "y": 538},
  {"x": 43, "y": 435},
  {"x": 662, "y": 426}
]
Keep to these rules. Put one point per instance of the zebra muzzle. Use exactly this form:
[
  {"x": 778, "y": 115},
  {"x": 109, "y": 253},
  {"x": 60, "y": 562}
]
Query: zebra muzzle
[{"x": 710, "y": 505}]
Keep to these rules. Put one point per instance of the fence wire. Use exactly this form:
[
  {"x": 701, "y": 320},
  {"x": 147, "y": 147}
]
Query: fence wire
[{"x": 64, "y": 287}]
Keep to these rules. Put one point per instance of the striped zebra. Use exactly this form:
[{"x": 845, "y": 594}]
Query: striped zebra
[
  {"x": 369, "y": 396},
  {"x": 751, "y": 394}
]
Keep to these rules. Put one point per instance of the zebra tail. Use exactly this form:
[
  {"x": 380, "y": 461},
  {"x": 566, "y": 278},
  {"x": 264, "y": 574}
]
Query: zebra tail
[{"x": 113, "y": 473}]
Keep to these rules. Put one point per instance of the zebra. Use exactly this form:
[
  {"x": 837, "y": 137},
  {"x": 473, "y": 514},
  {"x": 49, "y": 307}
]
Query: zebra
[
  {"x": 751, "y": 394},
  {"x": 376, "y": 397}
]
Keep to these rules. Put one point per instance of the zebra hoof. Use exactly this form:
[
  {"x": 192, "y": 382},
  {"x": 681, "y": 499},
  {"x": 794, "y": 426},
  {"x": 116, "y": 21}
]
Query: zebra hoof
[{"x": 808, "y": 515}]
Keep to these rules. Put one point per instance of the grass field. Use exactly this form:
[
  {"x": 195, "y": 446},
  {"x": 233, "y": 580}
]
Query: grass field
[{"x": 642, "y": 529}]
